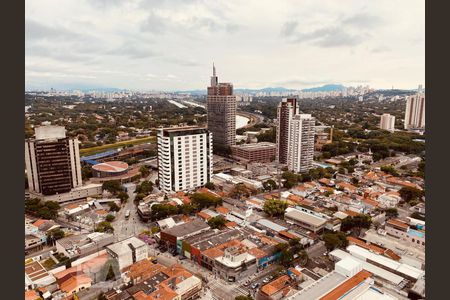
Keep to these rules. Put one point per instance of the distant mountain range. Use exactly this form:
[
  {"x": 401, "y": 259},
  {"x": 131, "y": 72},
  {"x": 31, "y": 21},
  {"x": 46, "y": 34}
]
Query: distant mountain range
[{"x": 323, "y": 88}]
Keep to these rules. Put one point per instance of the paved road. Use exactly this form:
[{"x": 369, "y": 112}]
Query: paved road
[{"x": 133, "y": 226}]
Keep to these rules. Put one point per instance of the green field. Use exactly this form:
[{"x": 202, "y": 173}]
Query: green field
[{"x": 98, "y": 149}]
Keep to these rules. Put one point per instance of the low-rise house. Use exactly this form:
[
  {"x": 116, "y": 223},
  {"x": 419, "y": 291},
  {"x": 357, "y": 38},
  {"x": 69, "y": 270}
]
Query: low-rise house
[
  {"x": 74, "y": 284},
  {"x": 389, "y": 199},
  {"x": 277, "y": 289},
  {"x": 402, "y": 231}
]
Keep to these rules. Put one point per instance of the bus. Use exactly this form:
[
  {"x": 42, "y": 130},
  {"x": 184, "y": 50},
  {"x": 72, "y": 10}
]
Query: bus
[{"x": 127, "y": 214}]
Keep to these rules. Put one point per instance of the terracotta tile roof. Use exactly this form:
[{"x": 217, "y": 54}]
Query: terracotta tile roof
[
  {"x": 325, "y": 181},
  {"x": 347, "y": 285},
  {"x": 231, "y": 224},
  {"x": 101, "y": 212},
  {"x": 73, "y": 282},
  {"x": 203, "y": 215},
  {"x": 295, "y": 271},
  {"x": 89, "y": 265},
  {"x": 143, "y": 269},
  {"x": 287, "y": 234},
  {"x": 365, "y": 245},
  {"x": 40, "y": 222},
  {"x": 346, "y": 185},
  {"x": 391, "y": 254},
  {"x": 351, "y": 213},
  {"x": 276, "y": 285},
  {"x": 397, "y": 222},
  {"x": 222, "y": 210},
  {"x": 258, "y": 253},
  {"x": 163, "y": 293},
  {"x": 31, "y": 295},
  {"x": 176, "y": 270},
  {"x": 370, "y": 202}
]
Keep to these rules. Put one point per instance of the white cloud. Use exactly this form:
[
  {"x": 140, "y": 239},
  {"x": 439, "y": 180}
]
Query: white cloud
[{"x": 254, "y": 43}]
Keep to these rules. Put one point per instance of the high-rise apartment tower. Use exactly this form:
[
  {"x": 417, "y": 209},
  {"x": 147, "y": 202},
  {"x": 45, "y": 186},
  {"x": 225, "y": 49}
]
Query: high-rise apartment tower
[
  {"x": 184, "y": 158},
  {"x": 301, "y": 143},
  {"x": 415, "y": 112},
  {"x": 287, "y": 109}
]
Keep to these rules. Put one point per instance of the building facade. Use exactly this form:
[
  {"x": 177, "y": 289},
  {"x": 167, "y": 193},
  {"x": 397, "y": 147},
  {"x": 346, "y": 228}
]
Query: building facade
[
  {"x": 301, "y": 143},
  {"x": 257, "y": 152},
  {"x": 287, "y": 109},
  {"x": 221, "y": 108},
  {"x": 52, "y": 161},
  {"x": 415, "y": 112},
  {"x": 184, "y": 158},
  {"x": 387, "y": 122}
]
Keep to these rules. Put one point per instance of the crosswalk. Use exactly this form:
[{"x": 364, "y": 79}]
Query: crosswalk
[{"x": 222, "y": 291}]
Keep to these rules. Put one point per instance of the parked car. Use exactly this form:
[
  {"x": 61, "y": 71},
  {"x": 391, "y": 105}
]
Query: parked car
[{"x": 255, "y": 285}]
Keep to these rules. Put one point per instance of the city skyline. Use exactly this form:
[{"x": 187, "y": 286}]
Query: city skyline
[{"x": 131, "y": 45}]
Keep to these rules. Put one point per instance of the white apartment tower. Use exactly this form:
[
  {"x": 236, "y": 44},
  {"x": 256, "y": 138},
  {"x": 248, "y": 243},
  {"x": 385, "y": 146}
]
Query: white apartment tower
[
  {"x": 52, "y": 161},
  {"x": 415, "y": 112},
  {"x": 387, "y": 122},
  {"x": 184, "y": 158},
  {"x": 300, "y": 152},
  {"x": 286, "y": 110}
]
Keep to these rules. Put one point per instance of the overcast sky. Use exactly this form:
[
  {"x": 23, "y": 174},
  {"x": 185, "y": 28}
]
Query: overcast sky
[{"x": 171, "y": 44}]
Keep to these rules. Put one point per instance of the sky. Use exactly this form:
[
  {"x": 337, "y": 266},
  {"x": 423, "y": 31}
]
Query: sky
[{"x": 171, "y": 44}]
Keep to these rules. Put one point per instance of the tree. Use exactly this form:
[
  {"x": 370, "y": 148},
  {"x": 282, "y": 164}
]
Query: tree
[
  {"x": 274, "y": 207},
  {"x": 418, "y": 216},
  {"x": 112, "y": 186},
  {"x": 303, "y": 257},
  {"x": 241, "y": 190},
  {"x": 335, "y": 240},
  {"x": 154, "y": 229},
  {"x": 162, "y": 211},
  {"x": 104, "y": 227},
  {"x": 54, "y": 235},
  {"x": 357, "y": 222},
  {"x": 390, "y": 170},
  {"x": 123, "y": 196},
  {"x": 110, "y": 218},
  {"x": 269, "y": 185},
  {"x": 410, "y": 193},
  {"x": 242, "y": 297},
  {"x": 203, "y": 200},
  {"x": 217, "y": 222},
  {"x": 209, "y": 185},
  {"x": 113, "y": 206},
  {"x": 146, "y": 187},
  {"x": 391, "y": 212},
  {"x": 45, "y": 210},
  {"x": 144, "y": 170}
]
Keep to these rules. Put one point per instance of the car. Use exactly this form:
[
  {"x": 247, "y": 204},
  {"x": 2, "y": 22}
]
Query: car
[
  {"x": 271, "y": 277},
  {"x": 266, "y": 280},
  {"x": 255, "y": 285},
  {"x": 246, "y": 283}
]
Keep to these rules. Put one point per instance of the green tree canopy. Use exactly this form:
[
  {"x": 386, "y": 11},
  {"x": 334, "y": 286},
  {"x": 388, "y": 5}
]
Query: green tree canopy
[
  {"x": 217, "y": 222},
  {"x": 275, "y": 207}
]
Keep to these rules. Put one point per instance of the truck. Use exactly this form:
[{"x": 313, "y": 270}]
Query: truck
[{"x": 127, "y": 214}]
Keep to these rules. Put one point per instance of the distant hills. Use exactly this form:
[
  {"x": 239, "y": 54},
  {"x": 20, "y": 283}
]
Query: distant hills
[{"x": 323, "y": 88}]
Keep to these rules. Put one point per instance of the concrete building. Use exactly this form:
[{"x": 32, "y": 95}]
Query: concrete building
[
  {"x": 305, "y": 219},
  {"x": 184, "y": 158},
  {"x": 287, "y": 109},
  {"x": 221, "y": 108},
  {"x": 401, "y": 230},
  {"x": 257, "y": 152},
  {"x": 128, "y": 251},
  {"x": 300, "y": 153},
  {"x": 77, "y": 193},
  {"x": 415, "y": 112},
  {"x": 52, "y": 161},
  {"x": 387, "y": 122},
  {"x": 83, "y": 244},
  {"x": 173, "y": 237}
]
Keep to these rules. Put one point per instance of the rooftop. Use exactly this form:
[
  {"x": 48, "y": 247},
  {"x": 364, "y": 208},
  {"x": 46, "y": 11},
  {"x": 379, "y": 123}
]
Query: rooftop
[
  {"x": 346, "y": 286},
  {"x": 304, "y": 217},
  {"x": 187, "y": 228},
  {"x": 276, "y": 285}
]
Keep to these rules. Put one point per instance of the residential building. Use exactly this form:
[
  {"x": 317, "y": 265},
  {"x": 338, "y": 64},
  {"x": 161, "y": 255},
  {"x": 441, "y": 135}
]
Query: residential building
[
  {"x": 221, "y": 108},
  {"x": 404, "y": 232},
  {"x": 301, "y": 143},
  {"x": 128, "y": 252},
  {"x": 277, "y": 289},
  {"x": 37, "y": 276},
  {"x": 76, "y": 283},
  {"x": 415, "y": 112},
  {"x": 184, "y": 158},
  {"x": 258, "y": 152},
  {"x": 387, "y": 122},
  {"x": 286, "y": 110},
  {"x": 52, "y": 161}
]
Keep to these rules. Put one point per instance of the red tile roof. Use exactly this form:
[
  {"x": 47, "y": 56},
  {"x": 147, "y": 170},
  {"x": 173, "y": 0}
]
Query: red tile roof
[{"x": 347, "y": 285}]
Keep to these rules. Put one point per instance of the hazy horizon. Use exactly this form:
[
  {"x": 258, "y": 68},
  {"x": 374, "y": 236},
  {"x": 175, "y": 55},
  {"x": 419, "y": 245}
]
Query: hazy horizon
[{"x": 171, "y": 45}]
